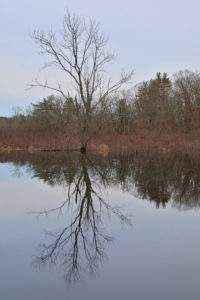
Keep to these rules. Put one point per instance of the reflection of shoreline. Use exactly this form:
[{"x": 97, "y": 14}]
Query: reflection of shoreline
[
  {"x": 157, "y": 178},
  {"x": 81, "y": 245}
]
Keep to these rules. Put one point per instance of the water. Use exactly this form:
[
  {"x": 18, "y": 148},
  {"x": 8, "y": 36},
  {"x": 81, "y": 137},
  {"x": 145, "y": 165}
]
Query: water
[{"x": 77, "y": 227}]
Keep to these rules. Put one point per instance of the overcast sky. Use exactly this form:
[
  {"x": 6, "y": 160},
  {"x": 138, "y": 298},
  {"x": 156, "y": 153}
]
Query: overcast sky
[{"x": 146, "y": 35}]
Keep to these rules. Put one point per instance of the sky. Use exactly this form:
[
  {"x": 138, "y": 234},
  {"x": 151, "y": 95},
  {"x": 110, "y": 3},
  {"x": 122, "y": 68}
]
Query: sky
[{"x": 148, "y": 36}]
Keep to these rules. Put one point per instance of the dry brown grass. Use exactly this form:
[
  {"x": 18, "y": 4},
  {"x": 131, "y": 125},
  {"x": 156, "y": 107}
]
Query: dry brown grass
[{"x": 103, "y": 144}]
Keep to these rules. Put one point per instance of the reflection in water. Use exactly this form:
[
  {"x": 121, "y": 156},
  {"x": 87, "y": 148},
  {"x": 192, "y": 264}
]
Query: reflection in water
[
  {"x": 156, "y": 178},
  {"x": 81, "y": 244},
  {"x": 161, "y": 179}
]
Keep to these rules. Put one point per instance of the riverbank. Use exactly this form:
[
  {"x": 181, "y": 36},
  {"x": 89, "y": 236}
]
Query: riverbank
[{"x": 103, "y": 144}]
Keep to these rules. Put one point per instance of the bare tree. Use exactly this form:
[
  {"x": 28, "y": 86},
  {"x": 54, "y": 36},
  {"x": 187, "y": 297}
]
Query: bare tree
[{"x": 80, "y": 52}]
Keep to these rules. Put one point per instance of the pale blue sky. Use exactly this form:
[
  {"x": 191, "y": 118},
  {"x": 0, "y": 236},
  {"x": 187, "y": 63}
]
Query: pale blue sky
[{"x": 147, "y": 35}]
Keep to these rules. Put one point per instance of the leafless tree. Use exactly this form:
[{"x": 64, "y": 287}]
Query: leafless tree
[{"x": 80, "y": 52}]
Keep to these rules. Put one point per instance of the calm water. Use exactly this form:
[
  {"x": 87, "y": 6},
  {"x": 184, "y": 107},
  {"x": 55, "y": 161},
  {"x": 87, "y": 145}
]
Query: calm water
[{"x": 77, "y": 227}]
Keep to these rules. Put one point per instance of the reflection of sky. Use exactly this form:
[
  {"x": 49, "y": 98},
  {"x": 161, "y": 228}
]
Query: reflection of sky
[
  {"x": 157, "y": 259},
  {"x": 11, "y": 173},
  {"x": 5, "y": 171}
]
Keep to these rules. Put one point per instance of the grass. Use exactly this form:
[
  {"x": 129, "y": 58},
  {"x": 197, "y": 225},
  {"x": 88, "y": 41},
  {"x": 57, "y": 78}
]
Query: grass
[{"x": 103, "y": 144}]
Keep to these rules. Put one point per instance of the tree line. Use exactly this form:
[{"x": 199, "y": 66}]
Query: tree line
[
  {"x": 96, "y": 104},
  {"x": 161, "y": 104}
]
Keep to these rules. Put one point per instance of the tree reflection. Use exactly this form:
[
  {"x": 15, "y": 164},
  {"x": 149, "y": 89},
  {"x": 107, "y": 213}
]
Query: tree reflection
[
  {"x": 171, "y": 178},
  {"x": 152, "y": 180},
  {"x": 81, "y": 245},
  {"x": 150, "y": 176}
]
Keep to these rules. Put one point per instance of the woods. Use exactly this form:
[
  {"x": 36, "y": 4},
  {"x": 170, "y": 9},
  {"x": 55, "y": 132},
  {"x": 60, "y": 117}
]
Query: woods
[
  {"x": 88, "y": 103},
  {"x": 159, "y": 105}
]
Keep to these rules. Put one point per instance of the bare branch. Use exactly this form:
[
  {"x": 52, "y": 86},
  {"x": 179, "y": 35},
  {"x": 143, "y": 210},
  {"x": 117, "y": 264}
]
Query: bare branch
[{"x": 79, "y": 50}]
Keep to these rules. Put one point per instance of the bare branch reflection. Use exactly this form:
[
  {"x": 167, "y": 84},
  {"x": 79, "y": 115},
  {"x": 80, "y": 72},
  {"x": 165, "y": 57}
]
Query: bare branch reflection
[
  {"x": 168, "y": 179},
  {"x": 161, "y": 179},
  {"x": 81, "y": 245}
]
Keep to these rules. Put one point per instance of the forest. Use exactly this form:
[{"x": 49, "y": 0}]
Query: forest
[
  {"x": 88, "y": 109},
  {"x": 161, "y": 111}
]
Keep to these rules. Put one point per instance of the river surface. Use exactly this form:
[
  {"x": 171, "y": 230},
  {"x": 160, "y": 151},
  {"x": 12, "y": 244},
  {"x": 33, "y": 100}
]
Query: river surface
[{"x": 114, "y": 228}]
